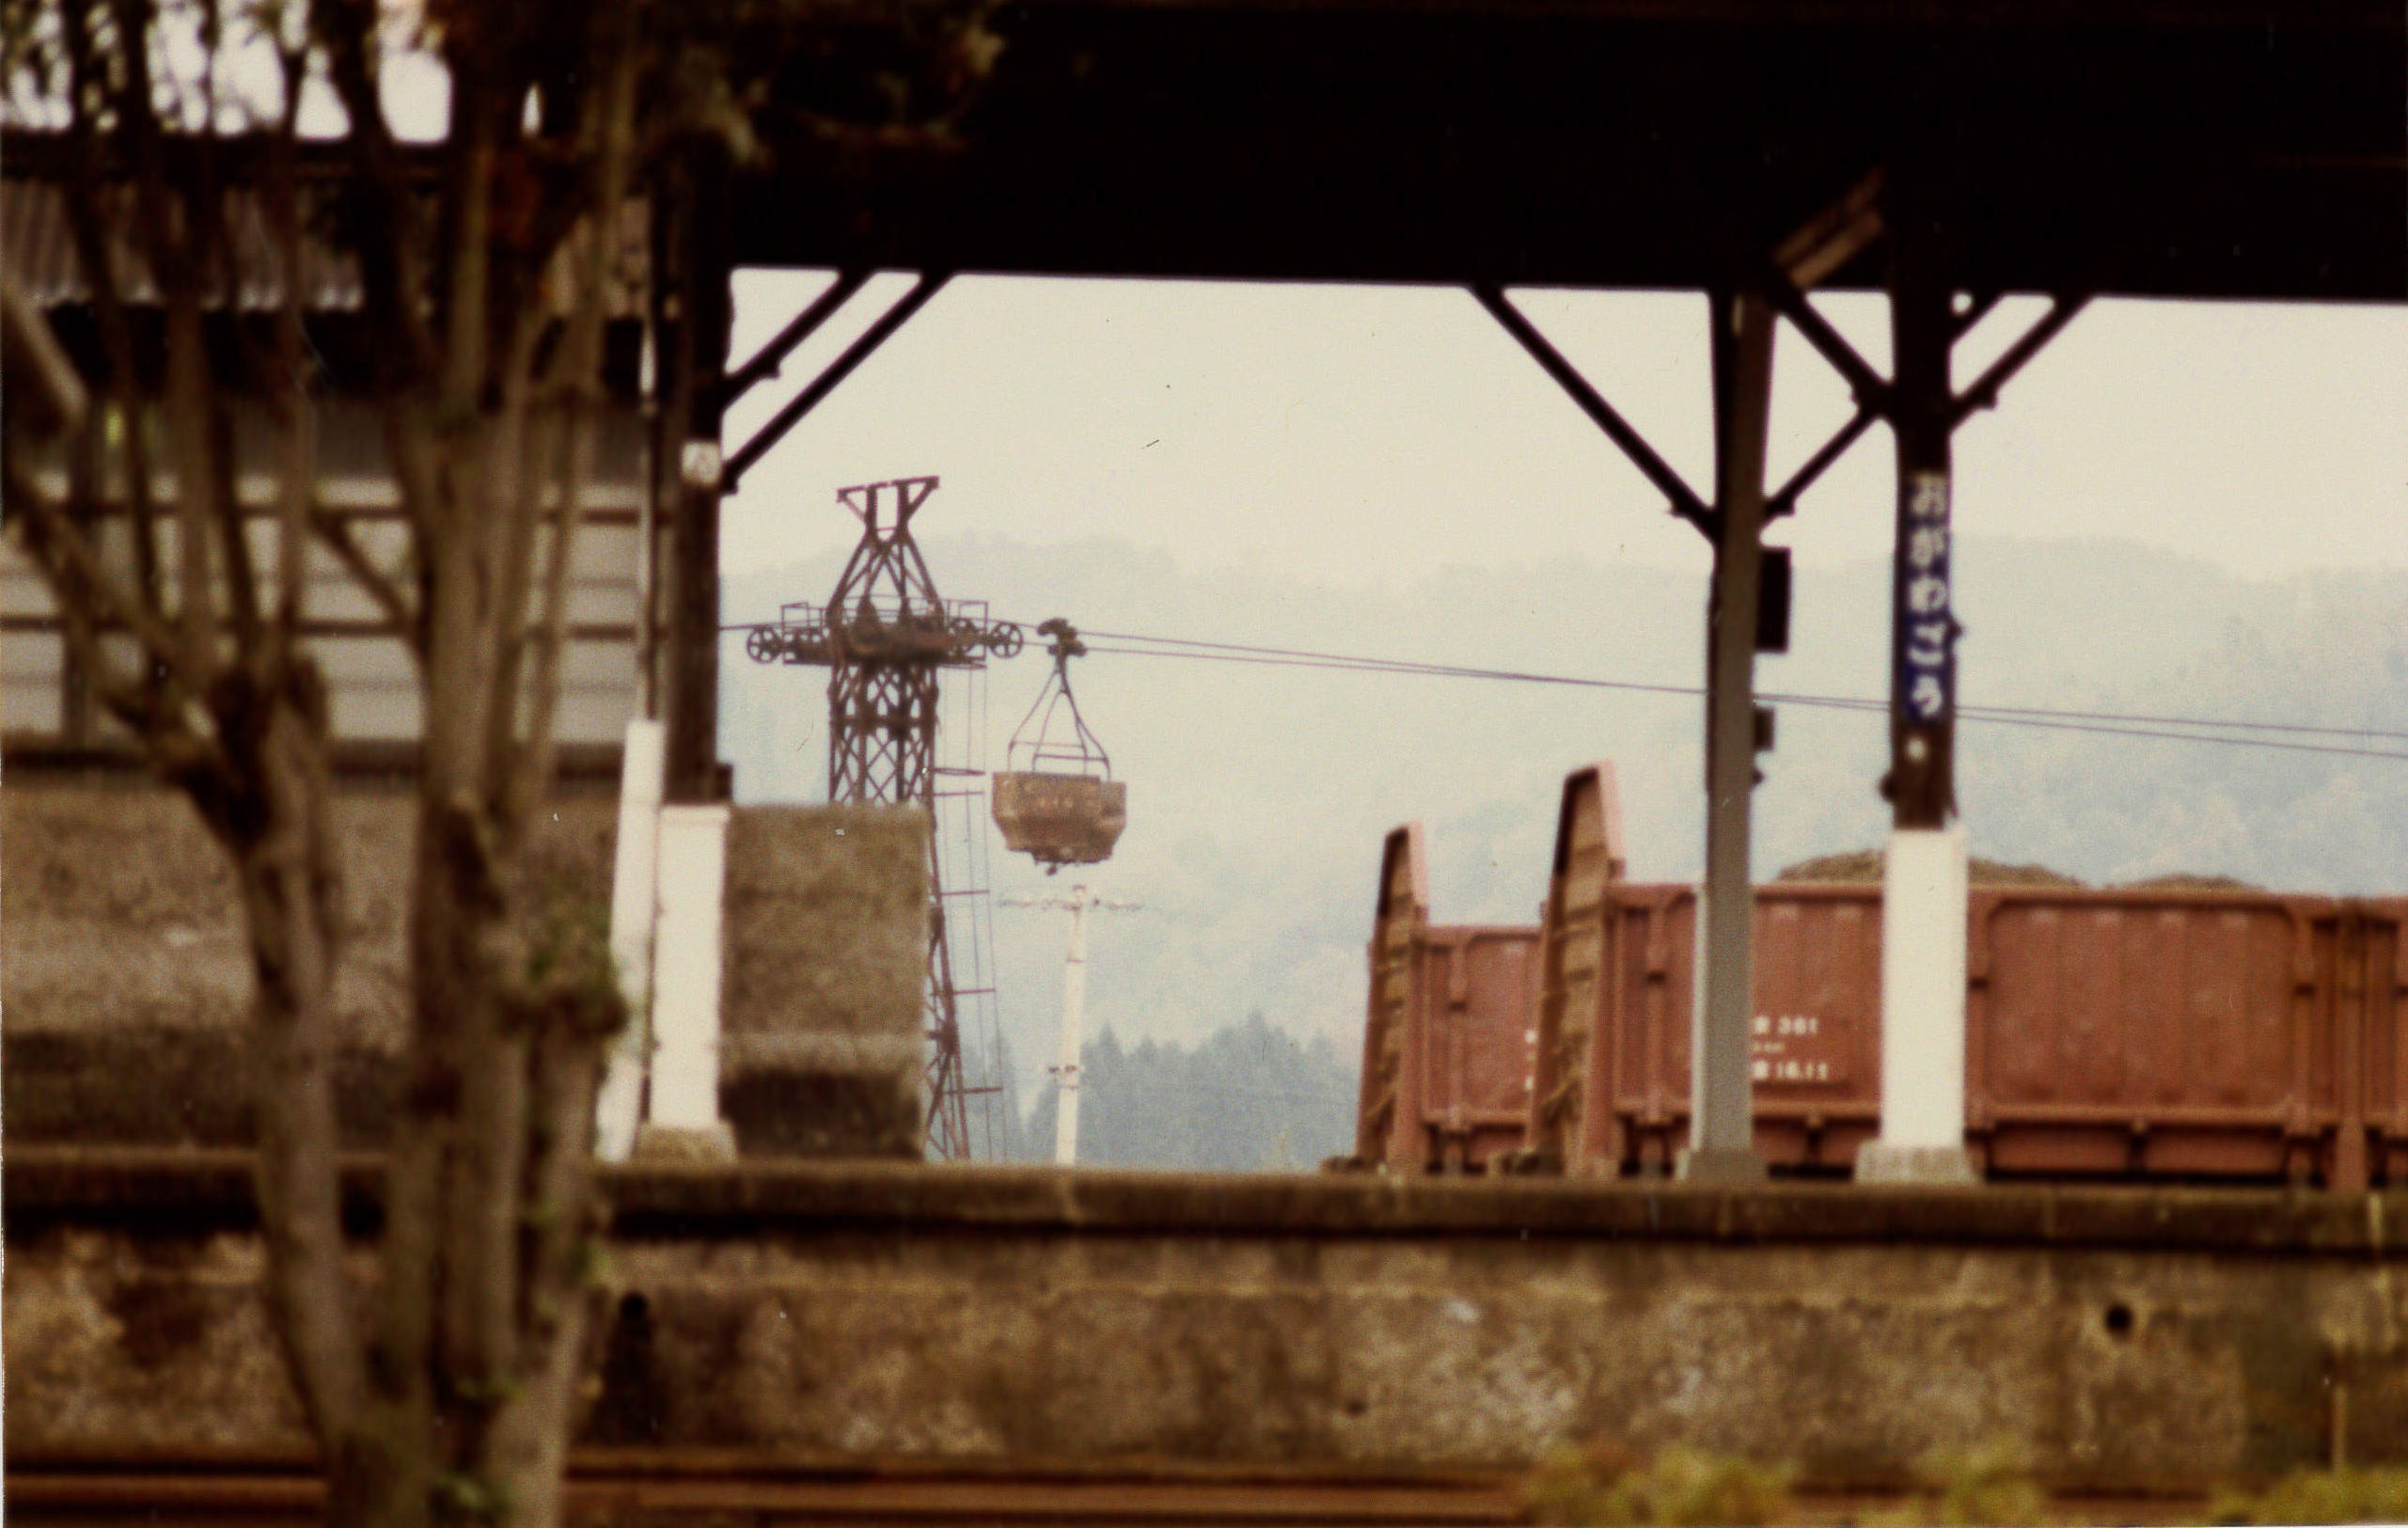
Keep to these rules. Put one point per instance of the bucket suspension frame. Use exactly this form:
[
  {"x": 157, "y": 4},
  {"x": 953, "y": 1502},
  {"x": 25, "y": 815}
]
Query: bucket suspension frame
[
  {"x": 1056, "y": 801},
  {"x": 1081, "y": 752}
]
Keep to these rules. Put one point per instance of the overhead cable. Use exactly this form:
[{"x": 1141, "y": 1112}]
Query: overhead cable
[
  {"x": 2105, "y": 723},
  {"x": 2002, "y": 716}
]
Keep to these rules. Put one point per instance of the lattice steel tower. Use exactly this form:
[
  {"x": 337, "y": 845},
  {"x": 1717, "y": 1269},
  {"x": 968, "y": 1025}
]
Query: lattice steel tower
[{"x": 884, "y": 635}]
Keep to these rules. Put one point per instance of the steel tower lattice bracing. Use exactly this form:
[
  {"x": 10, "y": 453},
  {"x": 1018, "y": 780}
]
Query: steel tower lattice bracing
[{"x": 884, "y": 635}]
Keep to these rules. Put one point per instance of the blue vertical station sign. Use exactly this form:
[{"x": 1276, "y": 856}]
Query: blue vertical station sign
[{"x": 1926, "y": 675}]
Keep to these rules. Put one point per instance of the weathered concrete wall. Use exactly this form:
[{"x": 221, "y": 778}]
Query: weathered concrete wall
[
  {"x": 2133, "y": 1341},
  {"x": 127, "y": 981},
  {"x": 827, "y": 938},
  {"x": 128, "y": 976}
]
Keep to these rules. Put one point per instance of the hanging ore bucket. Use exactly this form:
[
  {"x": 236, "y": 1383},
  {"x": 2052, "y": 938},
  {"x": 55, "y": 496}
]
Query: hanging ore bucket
[{"x": 1056, "y": 800}]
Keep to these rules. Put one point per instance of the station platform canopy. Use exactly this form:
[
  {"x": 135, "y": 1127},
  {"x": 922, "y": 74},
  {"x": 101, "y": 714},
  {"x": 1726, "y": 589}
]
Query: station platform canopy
[{"x": 2207, "y": 148}]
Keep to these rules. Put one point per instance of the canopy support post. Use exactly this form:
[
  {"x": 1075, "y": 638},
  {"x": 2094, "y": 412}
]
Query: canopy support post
[{"x": 1722, "y": 1125}]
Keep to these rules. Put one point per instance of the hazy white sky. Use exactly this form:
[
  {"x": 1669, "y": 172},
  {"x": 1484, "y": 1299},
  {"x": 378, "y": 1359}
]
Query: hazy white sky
[{"x": 1366, "y": 435}]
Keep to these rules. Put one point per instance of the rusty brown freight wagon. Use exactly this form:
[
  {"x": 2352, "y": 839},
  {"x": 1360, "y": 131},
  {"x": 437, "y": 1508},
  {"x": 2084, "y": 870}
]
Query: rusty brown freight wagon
[
  {"x": 1448, "y": 1037},
  {"x": 2383, "y": 1065},
  {"x": 1610, "y": 1088},
  {"x": 2168, "y": 1034}
]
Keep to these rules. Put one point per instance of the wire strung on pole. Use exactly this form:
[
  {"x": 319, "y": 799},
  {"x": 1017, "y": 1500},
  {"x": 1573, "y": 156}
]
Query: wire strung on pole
[{"x": 2102, "y": 723}]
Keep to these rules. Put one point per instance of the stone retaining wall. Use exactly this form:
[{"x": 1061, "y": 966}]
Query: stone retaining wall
[{"x": 2130, "y": 1340}]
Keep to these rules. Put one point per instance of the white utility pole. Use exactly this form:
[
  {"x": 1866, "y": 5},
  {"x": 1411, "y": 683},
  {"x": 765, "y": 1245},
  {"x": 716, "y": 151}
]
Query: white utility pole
[
  {"x": 1074, "y": 1033},
  {"x": 1074, "y": 1012}
]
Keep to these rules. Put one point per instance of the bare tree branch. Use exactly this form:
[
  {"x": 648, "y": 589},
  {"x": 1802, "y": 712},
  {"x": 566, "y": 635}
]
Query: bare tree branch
[
  {"x": 166, "y": 248},
  {"x": 294, "y": 903},
  {"x": 40, "y": 380},
  {"x": 515, "y": 508},
  {"x": 85, "y": 579},
  {"x": 53, "y": 540},
  {"x": 608, "y": 134},
  {"x": 87, "y": 75},
  {"x": 289, "y": 370},
  {"x": 466, "y": 222}
]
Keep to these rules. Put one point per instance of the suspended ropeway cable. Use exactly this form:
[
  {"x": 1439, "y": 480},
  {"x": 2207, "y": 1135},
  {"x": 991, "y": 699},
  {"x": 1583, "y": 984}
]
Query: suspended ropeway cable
[{"x": 2102, "y": 723}]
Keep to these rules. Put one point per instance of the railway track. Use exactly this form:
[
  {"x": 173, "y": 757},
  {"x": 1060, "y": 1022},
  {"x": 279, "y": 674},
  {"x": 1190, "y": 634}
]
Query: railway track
[
  {"x": 680, "y": 1489},
  {"x": 621, "y": 1487}
]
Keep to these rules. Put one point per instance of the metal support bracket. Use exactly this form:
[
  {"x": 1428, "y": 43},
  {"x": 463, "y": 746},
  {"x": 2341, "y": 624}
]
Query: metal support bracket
[
  {"x": 1684, "y": 502},
  {"x": 1785, "y": 500},
  {"x": 1823, "y": 246},
  {"x": 1871, "y": 389},
  {"x": 766, "y": 361},
  {"x": 1873, "y": 393},
  {"x": 1973, "y": 314},
  {"x": 1984, "y": 392},
  {"x": 894, "y": 317}
]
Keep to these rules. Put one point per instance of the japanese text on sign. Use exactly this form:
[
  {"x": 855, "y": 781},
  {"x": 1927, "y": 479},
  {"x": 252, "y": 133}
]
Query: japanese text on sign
[{"x": 1927, "y": 652}]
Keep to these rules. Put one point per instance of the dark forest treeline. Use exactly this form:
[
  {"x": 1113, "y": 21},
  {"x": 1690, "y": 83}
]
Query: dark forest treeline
[{"x": 1249, "y": 1098}]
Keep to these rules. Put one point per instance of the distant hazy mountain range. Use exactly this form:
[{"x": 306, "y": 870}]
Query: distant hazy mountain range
[{"x": 1259, "y": 794}]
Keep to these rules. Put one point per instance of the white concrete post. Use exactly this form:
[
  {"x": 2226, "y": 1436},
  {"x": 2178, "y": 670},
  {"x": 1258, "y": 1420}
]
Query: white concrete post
[
  {"x": 635, "y": 893},
  {"x": 1923, "y": 1012},
  {"x": 686, "y": 960},
  {"x": 1074, "y": 1025}
]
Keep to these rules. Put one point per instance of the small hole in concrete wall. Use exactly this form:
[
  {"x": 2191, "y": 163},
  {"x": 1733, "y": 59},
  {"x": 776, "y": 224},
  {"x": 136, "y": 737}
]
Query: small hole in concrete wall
[
  {"x": 2120, "y": 1319},
  {"x": 634, "y": 1308}
]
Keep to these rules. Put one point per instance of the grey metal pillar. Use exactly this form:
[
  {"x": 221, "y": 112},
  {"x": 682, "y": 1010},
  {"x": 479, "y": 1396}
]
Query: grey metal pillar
[{"x": 1722, "y": 1104}]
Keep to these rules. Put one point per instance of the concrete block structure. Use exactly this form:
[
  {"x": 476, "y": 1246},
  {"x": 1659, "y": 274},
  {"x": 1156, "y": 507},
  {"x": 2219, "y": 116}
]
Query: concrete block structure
[
  {"x": 128, "y": 983},
  {"x": 826, "y": 948},
  {"x": 128, "y": 978}
]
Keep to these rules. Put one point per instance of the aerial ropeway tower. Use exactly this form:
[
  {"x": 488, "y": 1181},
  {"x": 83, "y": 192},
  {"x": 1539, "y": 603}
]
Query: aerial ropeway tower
[{"x": 884, "y": 637}]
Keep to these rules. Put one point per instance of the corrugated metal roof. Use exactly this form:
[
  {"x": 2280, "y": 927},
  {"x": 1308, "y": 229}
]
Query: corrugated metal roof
[{"x": 38, "y": 244}]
